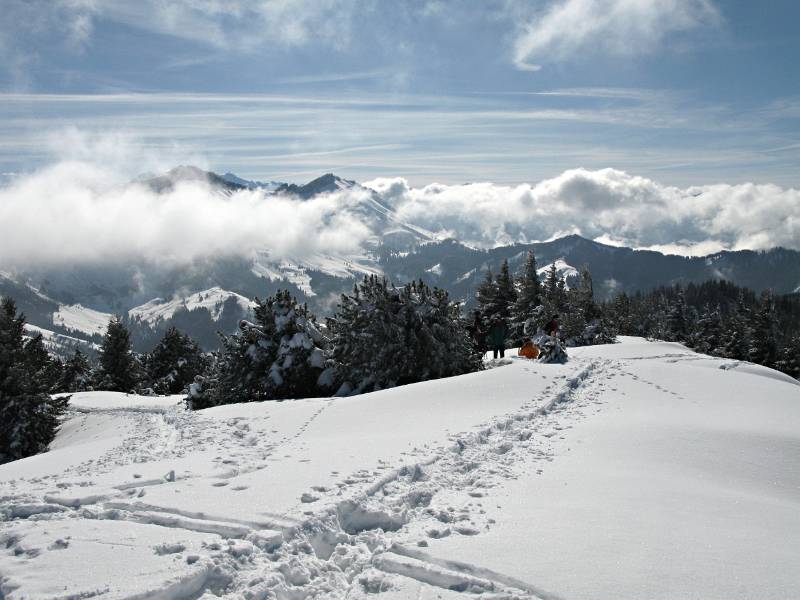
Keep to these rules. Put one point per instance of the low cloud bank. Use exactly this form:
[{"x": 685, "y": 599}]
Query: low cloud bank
[
  {"x": 78, "y": 213},
  {"x": 607, "y": 205}
]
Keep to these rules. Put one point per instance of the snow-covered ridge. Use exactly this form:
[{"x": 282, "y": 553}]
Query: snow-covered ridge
[
  {"x": 635, "y": 470},
  {"x": 80, "y": 318},
  {"x": 562, "y": 270},
  {"x": 212, "y": 299}
]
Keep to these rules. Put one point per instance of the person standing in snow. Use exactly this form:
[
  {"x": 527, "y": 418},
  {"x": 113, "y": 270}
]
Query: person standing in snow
[
  {"x": 553, "y": 326},
  {"x": 498, "y": 331},
  {"x": 477, "y": 332}
]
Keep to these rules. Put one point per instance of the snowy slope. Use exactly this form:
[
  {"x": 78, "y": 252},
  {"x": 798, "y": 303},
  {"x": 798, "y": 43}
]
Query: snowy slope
[
  {"x": 634, "y": 470},
  {"x": 212, "y": 299},
  {"x": 80, "y": 318},
  {"x": 562, "y": 270},
  {"x": 58, "y": 343}
]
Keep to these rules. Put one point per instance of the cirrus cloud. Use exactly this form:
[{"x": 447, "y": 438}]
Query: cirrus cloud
[{"x": 571, "y": 28}]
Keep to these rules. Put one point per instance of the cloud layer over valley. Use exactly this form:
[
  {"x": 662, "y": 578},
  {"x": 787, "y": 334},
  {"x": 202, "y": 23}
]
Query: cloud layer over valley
[
  {"x": 76, "y": 212},
  {"x": 607, "y": 205}
]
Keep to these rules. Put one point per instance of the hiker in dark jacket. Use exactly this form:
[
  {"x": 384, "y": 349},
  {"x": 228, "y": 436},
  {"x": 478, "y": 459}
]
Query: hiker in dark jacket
[
  {"x": 553, "y": 326},
  {"x": 477, "y": 332},
  {"x": 497, "y": 337}
]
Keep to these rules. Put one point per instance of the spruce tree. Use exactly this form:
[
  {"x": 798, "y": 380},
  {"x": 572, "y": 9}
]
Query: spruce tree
[
  {"x": 550, "y": 288},
  {"x": 280, "y": 355},
  {"x": 737, "y": 334},
  {"x": 382, "y": 337},
  {"x": 174, "y": 362},
  {"x": 506, "y": 293},
  {"x": 677, "y": 326},
  {"x": 44, "y": 367},
  {"x": 706, "y": 336},
  {"x": 763, "y": 343},
  {"x": 528, "y": 298},
  {"x": 29, "y": 416},
  {"x": 118, "y": 369},
  {"x": 789, "y": 361},
  {"x": 76, "y": 374},
  {"x": 487, "y": 297}
]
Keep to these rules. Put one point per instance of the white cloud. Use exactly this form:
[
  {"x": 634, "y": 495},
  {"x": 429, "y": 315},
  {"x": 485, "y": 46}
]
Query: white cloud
[
  {"x": 238, "y": 24},
  {"x": 75, "y": 212},
  {"x": 569, "y": 29},
  {"x": 608, "y": 205}
]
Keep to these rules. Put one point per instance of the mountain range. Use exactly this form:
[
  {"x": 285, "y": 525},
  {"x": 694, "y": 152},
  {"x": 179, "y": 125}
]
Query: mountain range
[{"x": 70, "y": 305}]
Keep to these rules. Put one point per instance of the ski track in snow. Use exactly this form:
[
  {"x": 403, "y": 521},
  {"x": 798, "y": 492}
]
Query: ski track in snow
[{"x": 367, "y": 534}]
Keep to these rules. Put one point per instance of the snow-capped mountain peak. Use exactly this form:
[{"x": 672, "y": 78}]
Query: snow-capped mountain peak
[
  {"x": 326, "y": 184},
  {"x": 269, "y": 186}
]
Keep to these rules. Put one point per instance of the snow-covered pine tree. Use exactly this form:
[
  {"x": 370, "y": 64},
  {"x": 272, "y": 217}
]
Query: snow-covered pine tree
[
  {"x": 382, "y": 336},
  {"x": 487, "y": 297},
  {"x": 706, "y": 335},
  {"x": 550, "y": 287},
  {"x": 737, "y": 334},
  {"x": 763, "y": 348},
  {"x": 40, "y": 364},
  {"x": 118, "y": 369},
  {"x": 789, "y": 361},
  {"x": 29, "y": 417},
  {"x": 677, "y": 325},
  {"x": 278, "y": 356},
  {"x": 174, "y": 362},
  {"x": 506, "y": 292},
  {"x": 528, "y": 298},
  {"x": 76, "y": 374}
]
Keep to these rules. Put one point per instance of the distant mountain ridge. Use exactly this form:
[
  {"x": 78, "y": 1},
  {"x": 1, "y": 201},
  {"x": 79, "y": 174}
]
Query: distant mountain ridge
[{"x": 214, "y": 294}]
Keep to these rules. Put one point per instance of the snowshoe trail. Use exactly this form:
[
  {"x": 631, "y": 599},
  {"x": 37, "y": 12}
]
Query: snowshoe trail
[{"x": 366, "y": 533}]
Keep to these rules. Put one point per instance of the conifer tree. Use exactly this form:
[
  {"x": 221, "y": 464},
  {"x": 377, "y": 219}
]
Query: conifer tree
[
  {"x": 118, "y": 369},
  {"x": 382, "y": 336},
  {"x": 506, "y": 293},
  {"x": 677, "y": 326},
  {"x": 29, "y": 417},
  {"x": 45, "y": 368},
  {"x": 550, "y": 287},
  {"x": 487, "y": 297},
  {"x": 707, "y": 334},
  {"x": 278, "y": 356},
  {"x": 789, "y": 361},
  {"x": 528, "y": 298},
  {"x": 737, "y": 334},
  {"x": 763, "y": 343},
  {"x": 174, "y": 362},
  {"x": 76, "y": 374}
]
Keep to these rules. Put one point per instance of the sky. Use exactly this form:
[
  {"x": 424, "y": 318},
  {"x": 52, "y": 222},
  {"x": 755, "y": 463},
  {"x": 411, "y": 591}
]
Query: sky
[
  {"x": 687, "y": 92},
  {"x": 665, "y": 124}
]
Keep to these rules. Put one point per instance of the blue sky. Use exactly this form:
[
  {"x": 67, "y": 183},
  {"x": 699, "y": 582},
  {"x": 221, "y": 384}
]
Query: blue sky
[{"x": 685, "y": 92}]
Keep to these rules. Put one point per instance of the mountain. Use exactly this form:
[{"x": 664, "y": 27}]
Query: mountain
[
  {"x": 460, "y": 269},
  {"x": 181, "y": 174},
  {"x": 269, "y": 186},
  {"x": 325, "y": 184},
  {"x": 634, "y": 470},
  {"x": 213, "y": 294}
]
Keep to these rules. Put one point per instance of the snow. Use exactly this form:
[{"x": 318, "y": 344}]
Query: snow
[
  {"x": 435, "y": 269},
  {"x": 639, "y": 469},
  {"x": 58, "y": 342},
  {"x": 212, "y": 299},
  {"x": 562, "y": 270},
  {"x": 80, "y": 318}
]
